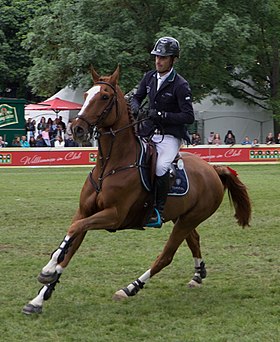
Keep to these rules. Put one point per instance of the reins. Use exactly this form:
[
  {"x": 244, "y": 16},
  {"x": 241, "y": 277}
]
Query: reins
[{"x": 98, "y": 134}]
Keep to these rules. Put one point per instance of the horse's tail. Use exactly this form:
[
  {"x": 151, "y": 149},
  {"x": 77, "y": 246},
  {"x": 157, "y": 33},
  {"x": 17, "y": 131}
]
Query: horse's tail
[{"x": 238, "y": 194}]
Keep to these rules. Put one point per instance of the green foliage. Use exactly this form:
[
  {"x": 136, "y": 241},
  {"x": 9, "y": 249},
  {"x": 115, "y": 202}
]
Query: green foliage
[
  {"x": 239, "y": 300},
  {"x": 228, "y": 46},
  {"x": 15, "y": 61}
]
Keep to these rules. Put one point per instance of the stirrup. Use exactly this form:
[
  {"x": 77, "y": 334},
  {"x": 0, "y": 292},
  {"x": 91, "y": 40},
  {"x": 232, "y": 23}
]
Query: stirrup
[{"x": 157, "y": 223}]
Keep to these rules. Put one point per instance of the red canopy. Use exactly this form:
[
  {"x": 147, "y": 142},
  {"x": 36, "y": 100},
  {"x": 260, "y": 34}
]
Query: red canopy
[{"x": 55, "y": 104}]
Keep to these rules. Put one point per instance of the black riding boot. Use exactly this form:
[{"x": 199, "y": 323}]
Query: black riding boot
[{"x": 161, "y": 191}]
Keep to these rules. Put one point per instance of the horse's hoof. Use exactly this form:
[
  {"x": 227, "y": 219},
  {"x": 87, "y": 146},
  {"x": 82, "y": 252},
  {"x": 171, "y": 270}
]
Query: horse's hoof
[
  {"x": 120, "y": 295},
  {"x": 46, "y": 279},
  {"x": 193, "y": 284},
  {"x": 30, "y": 309}
]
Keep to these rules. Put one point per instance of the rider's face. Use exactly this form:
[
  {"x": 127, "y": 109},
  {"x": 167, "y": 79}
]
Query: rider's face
[{"x": 163, "y": 64}]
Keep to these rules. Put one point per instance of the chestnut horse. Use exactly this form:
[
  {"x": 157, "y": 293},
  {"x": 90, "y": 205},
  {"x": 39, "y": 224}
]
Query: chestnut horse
[{"x": 113, "y": 197}]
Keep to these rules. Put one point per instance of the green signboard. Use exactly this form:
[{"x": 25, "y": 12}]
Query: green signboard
[
  {"x": 8, "y": 115},
  {"x": 11, "y": 118}
]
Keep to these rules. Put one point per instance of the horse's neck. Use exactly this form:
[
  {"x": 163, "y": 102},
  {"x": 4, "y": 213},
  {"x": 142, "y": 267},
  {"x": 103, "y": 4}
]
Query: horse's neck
[{"x": 118, "y": 143}]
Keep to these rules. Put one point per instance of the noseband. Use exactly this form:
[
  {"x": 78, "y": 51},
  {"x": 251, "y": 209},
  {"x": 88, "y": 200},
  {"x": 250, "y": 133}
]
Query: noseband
[{"x": 105, "y": 112}]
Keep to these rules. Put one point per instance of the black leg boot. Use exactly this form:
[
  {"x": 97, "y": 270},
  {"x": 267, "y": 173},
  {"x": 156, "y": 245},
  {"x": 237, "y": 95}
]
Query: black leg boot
[{"x": 162, "y": 187}]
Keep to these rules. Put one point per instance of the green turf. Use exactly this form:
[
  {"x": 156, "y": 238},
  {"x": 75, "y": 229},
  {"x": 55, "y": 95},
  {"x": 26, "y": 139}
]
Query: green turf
[{"x": 238, "y": 302}]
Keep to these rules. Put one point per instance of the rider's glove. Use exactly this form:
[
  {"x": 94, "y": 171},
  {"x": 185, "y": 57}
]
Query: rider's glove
[
  {"x": 134, "y": 109},
  {"x": 156, "y": 116}
]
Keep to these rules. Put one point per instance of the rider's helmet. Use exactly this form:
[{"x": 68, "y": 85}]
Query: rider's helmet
[{"x": 166, "y": 46}]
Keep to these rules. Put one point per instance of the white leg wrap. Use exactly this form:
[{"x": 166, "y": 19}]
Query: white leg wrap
[
  {"x": 197, "y": 262},
  {"x": 38, "y": 301},
  {"x": 52, "y": 264},
  {"x": 144, "y": 278},
  {"x": 59, "y": 269}
]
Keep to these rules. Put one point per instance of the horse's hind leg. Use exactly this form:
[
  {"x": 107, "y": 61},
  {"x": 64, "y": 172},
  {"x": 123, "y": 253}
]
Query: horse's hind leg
[
  {"x": 199, "y": 265},
  {"x": 177, "y": 236}
]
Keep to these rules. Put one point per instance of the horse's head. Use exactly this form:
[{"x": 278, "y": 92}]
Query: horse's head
[{"x": 100, "y": 108}]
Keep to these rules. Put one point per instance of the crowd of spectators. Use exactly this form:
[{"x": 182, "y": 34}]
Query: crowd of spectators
[
  {"x": 229, "y": 139},
  {"x": 55, "y": 133},
  {"x": 50, "y": 133}
]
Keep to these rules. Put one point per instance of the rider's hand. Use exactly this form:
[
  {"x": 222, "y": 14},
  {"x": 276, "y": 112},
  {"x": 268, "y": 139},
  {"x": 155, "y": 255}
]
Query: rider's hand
[
  {"x": 155, "y": 115},
  {"x": 134, "y": 109}
]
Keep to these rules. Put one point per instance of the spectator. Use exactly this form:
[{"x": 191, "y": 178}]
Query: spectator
[
  {"x": 55, "y": 123},
  {"x": 40, "y": 141},
  {"x": 229, "y": 138},
  {"x": 217, "y": 139},
  {"x": 29, "y": 129},
  {"x": 210, "y": 138},
  {"x": 51, "y": 126},
  {"x": 277, "y": 140},
  {"x": 32, "y": 142},
  {"x": 41, "y": 125},
  {"x": 16, "y": 142},
  {"x": 2, "y": 142},
  {"x": 68, "y": 132},
  {"x": 60, "y": 122},
  {"x": 24, "y": 142},
  {"x": 255, "y": 142},
  {"x": 270, "y": 139},
  {"x": 196, "y": 140},
  {"x": 246, "y": 141},
  {"x": 59, "y": 132},
  {"x": 46, "y": 136},
  {"x": 59, "y": 142}
]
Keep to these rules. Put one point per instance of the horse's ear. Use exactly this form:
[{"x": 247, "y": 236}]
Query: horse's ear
[
  {"x": 94, "y": 74},
  {"x": 114, "y": 79}
]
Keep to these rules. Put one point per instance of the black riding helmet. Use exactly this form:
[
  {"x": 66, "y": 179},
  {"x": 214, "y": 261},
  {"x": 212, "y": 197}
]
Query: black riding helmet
[{"x": 166, "y": 46}]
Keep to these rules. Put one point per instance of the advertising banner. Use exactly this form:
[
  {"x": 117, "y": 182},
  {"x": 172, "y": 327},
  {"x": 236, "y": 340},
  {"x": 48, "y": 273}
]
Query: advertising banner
[
  {"x": 35, "y": 157},
  {"x": 8, "y": 115},
  {"x": 237, "y": 154}
]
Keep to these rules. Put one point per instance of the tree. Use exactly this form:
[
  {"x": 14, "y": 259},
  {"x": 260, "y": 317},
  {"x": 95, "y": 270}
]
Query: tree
[
  {"x": 14, "y": 60},
  {"x": 243, "y": 53},
  {"x": 76, "y": 34},
  {"x": 227, "y": 46}
]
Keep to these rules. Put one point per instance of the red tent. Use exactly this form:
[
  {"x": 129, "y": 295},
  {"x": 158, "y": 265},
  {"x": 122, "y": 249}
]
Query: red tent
[{"x": 55, "y": 104}]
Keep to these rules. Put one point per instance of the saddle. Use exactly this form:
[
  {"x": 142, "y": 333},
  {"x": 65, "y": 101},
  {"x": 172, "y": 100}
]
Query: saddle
[{"x": 179, "y": 182}]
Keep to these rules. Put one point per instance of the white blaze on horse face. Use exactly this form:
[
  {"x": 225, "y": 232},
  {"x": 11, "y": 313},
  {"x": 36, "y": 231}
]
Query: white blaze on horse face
[{"x": 90, "y": 95}]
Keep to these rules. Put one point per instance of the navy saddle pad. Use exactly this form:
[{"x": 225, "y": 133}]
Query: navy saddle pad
[{"x": 180, "y": 186}]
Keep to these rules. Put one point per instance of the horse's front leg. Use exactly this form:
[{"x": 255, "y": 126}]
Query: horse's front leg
[
  {"x": 193, "y": 241},
  {"x": 107, "y": 218},
  {"x": 35, "y": 306}
]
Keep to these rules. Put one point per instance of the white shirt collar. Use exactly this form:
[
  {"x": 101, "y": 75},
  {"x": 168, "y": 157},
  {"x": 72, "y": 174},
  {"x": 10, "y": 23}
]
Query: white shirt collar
[{"x": 164, "y": 77}]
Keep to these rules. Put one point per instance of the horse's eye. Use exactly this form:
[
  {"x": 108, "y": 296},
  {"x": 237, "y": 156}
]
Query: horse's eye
[{"x": 105, "y": 97}]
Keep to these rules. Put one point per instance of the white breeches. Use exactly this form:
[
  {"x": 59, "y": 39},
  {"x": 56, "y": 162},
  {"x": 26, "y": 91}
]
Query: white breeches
[{"x": 167, "y": 149}]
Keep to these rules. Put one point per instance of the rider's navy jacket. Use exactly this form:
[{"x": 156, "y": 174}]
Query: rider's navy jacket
[{"x": 174, "y": 98}]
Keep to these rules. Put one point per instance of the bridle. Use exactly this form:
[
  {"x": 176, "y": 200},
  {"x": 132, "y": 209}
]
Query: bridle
[
  {"x": 106, "y": 111},
  {"x": 104, "y": 159}
]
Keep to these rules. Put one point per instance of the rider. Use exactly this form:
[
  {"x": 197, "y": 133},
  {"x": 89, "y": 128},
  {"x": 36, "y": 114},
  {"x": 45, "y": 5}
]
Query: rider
[{"x": 170, "y": 109}]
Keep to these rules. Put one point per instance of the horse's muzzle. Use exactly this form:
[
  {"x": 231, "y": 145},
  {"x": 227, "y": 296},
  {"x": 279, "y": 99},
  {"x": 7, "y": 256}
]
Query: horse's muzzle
[{"x": 79, "y": 133}]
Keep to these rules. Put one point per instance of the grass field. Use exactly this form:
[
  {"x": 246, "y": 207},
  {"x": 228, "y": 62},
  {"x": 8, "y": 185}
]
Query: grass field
[{"x": 239, "y": 302}]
